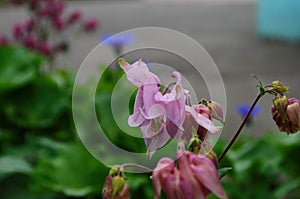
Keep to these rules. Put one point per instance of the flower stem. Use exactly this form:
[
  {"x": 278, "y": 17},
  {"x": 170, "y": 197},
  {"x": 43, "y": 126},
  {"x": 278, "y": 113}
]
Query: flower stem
[
  {"x": 233, "y": 139},
  {"x": 136, "y": 166}
]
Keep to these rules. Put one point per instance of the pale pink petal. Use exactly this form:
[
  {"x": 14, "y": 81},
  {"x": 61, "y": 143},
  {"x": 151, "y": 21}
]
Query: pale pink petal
[
  {"x": 206, "y": 173},
  {"x": 151, "y": 128},
  {"x": 202, "y": 120},
  {"x": 149, "y": 91},
  {"x": 175, "y": 116},
  {"x": 155, "y": 142},
  {"x": 138, "y": 73},
  {"x": 216, "y": 111},
  {"x": 136, "y": 119},
  {"x": 164, "y": 167}
]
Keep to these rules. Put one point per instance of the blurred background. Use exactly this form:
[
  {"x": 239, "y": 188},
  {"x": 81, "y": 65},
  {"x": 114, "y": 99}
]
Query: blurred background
[{"x": 41, "y": 156}]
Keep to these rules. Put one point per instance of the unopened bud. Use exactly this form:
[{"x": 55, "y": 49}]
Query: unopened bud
[
  {"x": 279, "y": 86},
  {"x": 286, "y": 114},
  {"x": 216, "y": 111}
]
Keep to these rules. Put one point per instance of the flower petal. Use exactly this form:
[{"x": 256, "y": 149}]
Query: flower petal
[
  {"x": 202, "y": 120},
  {"x": 138, "y": 73},
  {"x": 136, "y": 119},
  {"x": 206, "y": 173},
  {"x": 163, "y": 168}
]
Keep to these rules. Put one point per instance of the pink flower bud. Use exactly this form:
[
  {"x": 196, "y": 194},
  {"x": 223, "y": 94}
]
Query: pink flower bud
[
  {"x": 29, "y": 25},
  {"x": 91, "y": 25},
  {"x": 30, "y": 42},
  {"x": 44, "y": 48},
  {"x": 115, "y": 188},
  {"x": 216, "y": 111},
  {"x": 17, "y": 2},
  {"x": 4, "y": 41},
  {"x": 58, "y": 23},
  {"x": 286, "y": 114},
  {"x": 18, "y": 31},
  {"x": 74, "y": 16}
]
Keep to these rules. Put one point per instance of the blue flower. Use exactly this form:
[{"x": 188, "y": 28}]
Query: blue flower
[
  {"x": 242, "y": 110},
  {"x": 117, "y": 40}
]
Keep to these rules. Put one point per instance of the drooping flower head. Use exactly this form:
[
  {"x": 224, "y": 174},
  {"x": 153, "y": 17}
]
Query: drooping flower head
[
  {"x": 195, "y": 177},
  {"x": 286, "y": 114}
]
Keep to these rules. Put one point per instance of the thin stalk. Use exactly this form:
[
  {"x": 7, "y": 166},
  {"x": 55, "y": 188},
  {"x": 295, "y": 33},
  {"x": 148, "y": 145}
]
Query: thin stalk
[
  {"x": 233, "y": 139},
  {"x": 137, "y": 166}
]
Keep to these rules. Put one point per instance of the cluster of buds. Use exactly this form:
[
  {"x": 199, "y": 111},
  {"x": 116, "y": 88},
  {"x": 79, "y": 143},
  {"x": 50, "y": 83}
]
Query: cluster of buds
[
  {"x": 114, "y": 186},
  {"x": 285, "y": 112},
  {"x": 45, "y": 31}
]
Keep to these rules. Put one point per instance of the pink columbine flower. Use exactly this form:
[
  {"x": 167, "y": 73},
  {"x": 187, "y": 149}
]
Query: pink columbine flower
[
  {"x": 159, "y": 116},
  {"x": 286, "y": 114},
  {"x": 195, "y": 177},
  {"x": 162, "y": 116}
]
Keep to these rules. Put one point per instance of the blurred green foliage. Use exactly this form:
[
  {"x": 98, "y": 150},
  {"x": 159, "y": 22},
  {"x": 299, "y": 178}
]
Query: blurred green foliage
[{"x": 41, "y": 156}]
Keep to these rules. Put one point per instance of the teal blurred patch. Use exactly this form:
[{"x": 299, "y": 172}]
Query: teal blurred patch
[{"x": 279, "y": 19}]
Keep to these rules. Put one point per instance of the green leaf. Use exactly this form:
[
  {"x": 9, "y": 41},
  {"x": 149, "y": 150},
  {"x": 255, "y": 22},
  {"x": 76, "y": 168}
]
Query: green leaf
[
  {"x": 37, "y": 105},
  {"x": 286, "y": 188},
  {"x": 73, "y": 172},
  {"x": 11, "y": 165},
  {"x": 17, "y": 67},
  {"x": 224, "y": 171}
]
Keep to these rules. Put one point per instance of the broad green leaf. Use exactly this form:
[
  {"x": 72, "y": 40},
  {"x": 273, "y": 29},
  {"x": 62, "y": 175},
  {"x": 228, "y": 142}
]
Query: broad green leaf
[
  {"x": 17, "y": 67},
  {"x": 37, "y": 105},
  {"x": 10, "y": 165},
  {"x": 73, "y": 172}
]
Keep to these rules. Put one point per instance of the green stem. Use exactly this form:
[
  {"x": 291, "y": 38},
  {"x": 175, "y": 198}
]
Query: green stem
[{"x": 233, "y": 139}]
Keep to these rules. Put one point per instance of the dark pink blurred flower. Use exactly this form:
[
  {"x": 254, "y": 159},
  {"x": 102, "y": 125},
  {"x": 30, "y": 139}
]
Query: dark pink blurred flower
[
  {"x": 286, "y": 114},
  {"x": 91, "y": 25},
  {"x": 195, "y": 177},
  {"x": 55, "y": 7},
  {"x": 33, "y": 4},
  {"x": 59, "y": 23},
  {"x": 18, "y": 31},
  {"x": 74, "y": 16},
  {"x": 4, "y": 41},
  {"x": 43, "y": 12},
  {"x": 29, "y": 25},
  {"x": 17, "y": 2},
  {"x": 44, "y": 48},
  {"x": 31, "y": 42}
]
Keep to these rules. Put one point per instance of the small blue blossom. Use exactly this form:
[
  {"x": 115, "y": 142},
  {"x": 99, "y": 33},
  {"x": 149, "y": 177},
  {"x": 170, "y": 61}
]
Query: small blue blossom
[
  {"x": 117, "y": 40},
  {"x": 242, "y": 110}
]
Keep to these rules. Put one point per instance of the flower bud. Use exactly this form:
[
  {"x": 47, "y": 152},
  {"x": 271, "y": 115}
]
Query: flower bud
[
  {"x": 91, "y": 25},
  {"x": 115, "y": 187},
  {"x": 216, "y": 111},
  {"x": 286, "y": 114},
  {"x": 279, "y": 86},
  {"x": 74, "y": 16}
]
